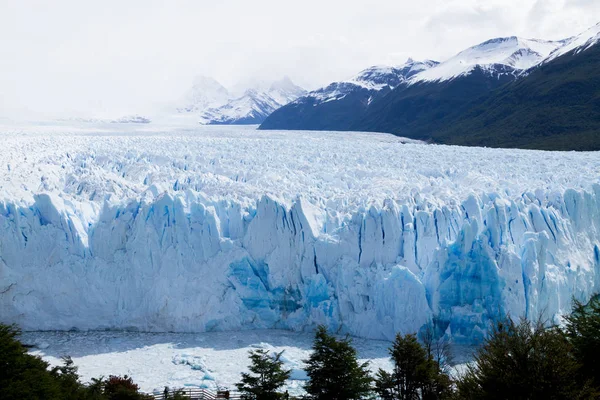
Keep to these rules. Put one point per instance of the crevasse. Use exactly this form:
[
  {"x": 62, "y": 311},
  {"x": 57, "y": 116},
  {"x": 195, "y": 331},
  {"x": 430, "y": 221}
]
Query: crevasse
[{"x": 180, "y": 262}]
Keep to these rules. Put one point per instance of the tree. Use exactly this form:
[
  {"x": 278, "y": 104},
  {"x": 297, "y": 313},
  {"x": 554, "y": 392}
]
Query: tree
[
  {"x": 523, "y": 361},
  {"x": 122, "y": 388},
  {"x": 583, "y": 332},
  {"x": 23, "y": 376},
  {"x": 267, "y": 377},
  {"x": 68, "y": 380},
  {"x": 95, "y": 389},
  {"x": 333, "y": 370},
  {"x": 437, "y": 349},
  {"x": 385, "y": 385},
  {"x": 438, "y": 384},
  {"x": 417, "y": 373},
  {"x": 410, "y": 366}
]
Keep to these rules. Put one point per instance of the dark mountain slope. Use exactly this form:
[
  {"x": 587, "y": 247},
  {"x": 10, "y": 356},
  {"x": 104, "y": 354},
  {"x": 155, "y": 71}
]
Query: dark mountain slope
[
  {"x": 341, "y": 104},
  {"x": 421, "y": 108},
  {"x": 555, "y": 107},
  {"x": 310, "y": 113}
]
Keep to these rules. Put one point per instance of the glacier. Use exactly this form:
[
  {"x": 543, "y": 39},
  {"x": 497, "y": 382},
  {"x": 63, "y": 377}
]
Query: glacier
[{"x": 168, "y": 229}]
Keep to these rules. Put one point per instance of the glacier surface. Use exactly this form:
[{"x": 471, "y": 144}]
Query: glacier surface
[{"x": 223, "y": 228}]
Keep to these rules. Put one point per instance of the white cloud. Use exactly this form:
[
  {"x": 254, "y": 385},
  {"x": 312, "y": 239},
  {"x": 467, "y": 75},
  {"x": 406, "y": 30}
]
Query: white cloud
[{"x": 123, "y": 56}]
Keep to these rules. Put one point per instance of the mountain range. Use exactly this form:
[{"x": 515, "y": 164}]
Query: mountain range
[
  {"x": 504, "y": 92},
  {"x": 212, "y": 104}
]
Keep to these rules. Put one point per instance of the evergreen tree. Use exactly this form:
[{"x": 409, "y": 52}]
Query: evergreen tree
[
  {"x": 23, "y": 376},
  {"x": 523, "y": 361},
  {"x": 333, "y": 370},
  {"x": 410, "y": 366},
  {"x": 68, "y": 380},
  {"x": 27, "y": 377},
  {"x": 267, "y": 377},
  {"x": 583, "y": 332},
  {"x": 417, "y": 373},
  {"x": 385, "y": 385}
]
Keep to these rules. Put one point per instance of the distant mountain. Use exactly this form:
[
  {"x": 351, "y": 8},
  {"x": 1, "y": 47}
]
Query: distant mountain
[
  {"x": 508, "y": 92},
  {"x": 556, "y": 107},
  {"x": 495, "y": 57},
  {"x": 421, "y": 107},
  {"x": 212, "y": 104},
  {"x": 131, "y": 119},
  {"x": 128, "y": 119},
  {"x": 205, "y": 93},
  {"x": 388, "y": 99},
  {"x": 339, "y": 105},
  {"x": 577, "y": 43},
  {"x": 254, "y": 105}
]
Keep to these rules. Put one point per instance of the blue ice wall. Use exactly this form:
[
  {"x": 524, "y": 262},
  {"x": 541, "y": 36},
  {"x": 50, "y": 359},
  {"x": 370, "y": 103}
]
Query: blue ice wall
[{"x": 183, "y": 263}]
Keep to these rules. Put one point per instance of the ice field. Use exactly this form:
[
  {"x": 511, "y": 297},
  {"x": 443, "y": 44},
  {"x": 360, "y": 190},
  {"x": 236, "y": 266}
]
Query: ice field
[{"x": 173, "y": 229}]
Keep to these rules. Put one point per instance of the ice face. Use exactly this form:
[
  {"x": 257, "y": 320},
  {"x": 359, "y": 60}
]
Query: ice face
[{"x": 228, "y": 229}]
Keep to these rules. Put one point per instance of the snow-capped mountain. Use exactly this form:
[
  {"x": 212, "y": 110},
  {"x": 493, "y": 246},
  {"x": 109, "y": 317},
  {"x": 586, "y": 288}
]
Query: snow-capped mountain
[
  {"x": 253, "y": 106},
  {"x": 285, "y": 91},
  {"x": 435, "y": 98},
  {"x": 500, "y": 56},
  {"x": 373, "y": 79},
  {"x": 210, "y": 103},
  {"x": 205, "y": 93},
  {"x": 578, "y": 43},
  {"x": 340, "y": 104}
]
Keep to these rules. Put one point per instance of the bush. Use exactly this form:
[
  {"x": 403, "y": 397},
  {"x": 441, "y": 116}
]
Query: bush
[
  {"x": 122, "y": 388},
  {"x": 523, "y": 361},
  {"x": 23, "y": 376},
  {"x": 27, "y": 377},
  {"x": 583, "y": 332}
]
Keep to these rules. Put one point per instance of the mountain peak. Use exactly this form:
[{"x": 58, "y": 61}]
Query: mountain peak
[
  {"x": 205, "y": 92},
  {"x": 581, "y": 42},
  {"x": 202, "y": 80},
  {"x": 379, "y": 76},
  {"x": 285, "y": 84},
  {"x": 512, "y": 51},
  {"x": 253, "y": 104}
]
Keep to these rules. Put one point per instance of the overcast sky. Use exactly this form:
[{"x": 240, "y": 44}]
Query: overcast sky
[{"x": 122, "y": 56}]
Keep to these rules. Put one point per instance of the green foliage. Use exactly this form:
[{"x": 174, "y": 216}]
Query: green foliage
[
  {"x": 267, "y": 377},
  {"x": 333, "y": 370},
  {"x": 385, "y": 385},
  {"x": 68, "y": 380},
  {"x": 410, "y": 366},
  {"x": 555, "y": 107},
  {"x": 27, "y": 377},
  {"x": 122, "y": 388},
  {"x": 23, "y": 376},
  {"x": 416, "y": 375},
  {"x": 583, "y": 332},
  {"x": 418, "y": 111},
  {"x": 523, "y": 361},
  {"x": 438, "y": 385}
]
